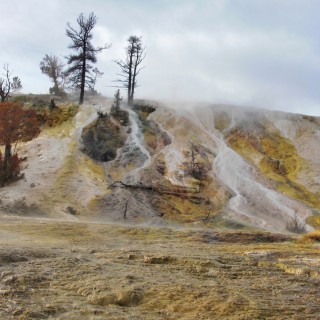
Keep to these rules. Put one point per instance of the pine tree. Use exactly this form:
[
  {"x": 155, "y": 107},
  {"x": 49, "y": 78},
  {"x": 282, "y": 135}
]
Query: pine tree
[{"x": 81, "y": 62}]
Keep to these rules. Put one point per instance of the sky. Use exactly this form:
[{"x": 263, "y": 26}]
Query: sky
[{"x": 261, "y": 53}]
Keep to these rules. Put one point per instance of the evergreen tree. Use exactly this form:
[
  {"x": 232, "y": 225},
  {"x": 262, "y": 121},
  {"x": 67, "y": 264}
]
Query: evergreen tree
[{"x": 80, "y": 63}]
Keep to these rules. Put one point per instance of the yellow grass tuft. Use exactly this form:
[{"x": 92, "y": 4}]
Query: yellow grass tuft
[
  {"x": 310, "y": 237},
  {"x": 314, "y": 221},
  {"x": 61, "y": 114}
]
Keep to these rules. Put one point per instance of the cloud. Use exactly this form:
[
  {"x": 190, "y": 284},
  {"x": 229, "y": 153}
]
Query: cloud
[{"x": 264, "y": 53}]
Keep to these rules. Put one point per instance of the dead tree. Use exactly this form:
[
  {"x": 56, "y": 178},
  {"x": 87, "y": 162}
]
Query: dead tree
[
  {"x": 135, "y": 54},
  {"x": 8, "y": 85},
  {"x": 197, "y": 164},
  {"x": 96, "y": 74},
  {"x": 52, "y": 66},
  {"x": 120, "y": 184},
  {"x": 175, "y": 190},
  {"x": 204, "y": 219}
]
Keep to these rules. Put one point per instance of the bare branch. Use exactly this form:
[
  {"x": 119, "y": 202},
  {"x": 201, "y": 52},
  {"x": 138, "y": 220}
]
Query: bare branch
[{"x": 8, "y": 85}]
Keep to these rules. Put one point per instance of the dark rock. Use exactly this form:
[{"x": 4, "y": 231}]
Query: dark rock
[
  {"x": 143, "y": 110},
  {"x": 103, "y": 138},
  {"x": 122, "y": 116}
]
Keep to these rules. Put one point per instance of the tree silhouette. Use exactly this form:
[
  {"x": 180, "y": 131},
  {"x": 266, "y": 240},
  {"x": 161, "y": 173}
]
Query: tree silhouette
[
  {"x": 8, "y": 85},
  {"x": 81, "y": 62},
  {"x": 116, "y": 102},
  {"x": 52, "y": 66},
  {"x": 135, "y": 54},
  {"x": 197, "y": 163},
  {"x": 96, "y": 74}
]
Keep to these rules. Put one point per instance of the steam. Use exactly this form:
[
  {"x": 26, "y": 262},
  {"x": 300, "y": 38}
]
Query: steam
[
  {"x": 135, "y": 147},
  {"x": 252, "y": 199}
]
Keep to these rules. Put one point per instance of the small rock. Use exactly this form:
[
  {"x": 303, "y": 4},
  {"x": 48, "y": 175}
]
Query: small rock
[
  {"x": 132, "y": 256},
  {"x": 129, "y": 298},
  {"x": 157, "y": 260},
  {"x": 258, "y": 254}
]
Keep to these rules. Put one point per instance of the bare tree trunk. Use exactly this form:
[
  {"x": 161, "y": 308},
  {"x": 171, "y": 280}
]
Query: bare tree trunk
[
  {"x": 130, "y": 76},
  {"x": 133, "y": 85},
  {"x": 7, "y": 156},
  {"x": 83, "y": 78}
]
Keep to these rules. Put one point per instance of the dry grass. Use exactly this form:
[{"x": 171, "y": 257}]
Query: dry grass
[
  {"x": 58, "y": 270},
  {"x": 314, "y": 221},
  {"x": 61, "y": 114},
  {"x": 310, "y": 237}
]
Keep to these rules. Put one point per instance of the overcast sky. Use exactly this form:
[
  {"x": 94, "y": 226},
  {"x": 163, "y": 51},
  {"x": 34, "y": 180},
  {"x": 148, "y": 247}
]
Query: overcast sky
[{"x": 263, "y": 53}]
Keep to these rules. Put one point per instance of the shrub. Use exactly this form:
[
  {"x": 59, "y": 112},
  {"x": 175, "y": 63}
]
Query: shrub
[
  {"x": 10, "y": 171},
  {"x": 197, "y": 164},
  {"x": 72, "y": 211},
  {"x": 17, "y": 124},
  {"x": 296, "y": 225},
  {"x": 313, "y": 236},
  {"x": 60, "y": 114}
]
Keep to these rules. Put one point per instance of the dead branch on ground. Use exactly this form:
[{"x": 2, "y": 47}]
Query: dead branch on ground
[{"x": 175, "y": 190}]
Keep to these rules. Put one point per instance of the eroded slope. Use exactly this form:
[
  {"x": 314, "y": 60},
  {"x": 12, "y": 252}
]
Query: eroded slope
[{"x": 260, "y": 168}]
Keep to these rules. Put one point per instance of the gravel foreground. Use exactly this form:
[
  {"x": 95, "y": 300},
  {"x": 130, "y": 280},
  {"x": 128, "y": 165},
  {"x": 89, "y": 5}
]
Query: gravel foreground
[{"x": 70, "y": 270}]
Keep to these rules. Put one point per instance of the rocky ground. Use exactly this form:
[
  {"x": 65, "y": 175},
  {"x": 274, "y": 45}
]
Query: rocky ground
[{"x": 52, "y": 269}]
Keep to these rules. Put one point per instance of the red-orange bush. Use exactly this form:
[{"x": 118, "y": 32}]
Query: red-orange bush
[
  {"x": 11, "y": 171},
  {"x": 17, "y": 124}
]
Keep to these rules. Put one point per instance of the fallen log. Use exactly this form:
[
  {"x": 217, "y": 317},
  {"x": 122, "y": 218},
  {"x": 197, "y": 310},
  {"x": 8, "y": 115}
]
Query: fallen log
[
  {"x": 174, "y": 190},
  {"x": 120, "y": 184}
]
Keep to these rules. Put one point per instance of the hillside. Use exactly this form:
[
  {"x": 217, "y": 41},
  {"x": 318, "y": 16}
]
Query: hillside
[{"x": 260, "y": 168}]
